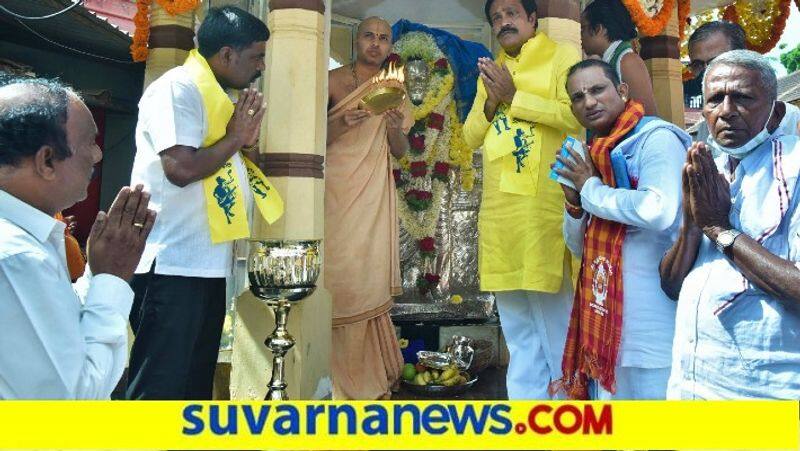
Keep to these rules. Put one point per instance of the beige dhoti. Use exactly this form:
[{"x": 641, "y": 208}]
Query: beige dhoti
[{"x": 362, "y": 262}]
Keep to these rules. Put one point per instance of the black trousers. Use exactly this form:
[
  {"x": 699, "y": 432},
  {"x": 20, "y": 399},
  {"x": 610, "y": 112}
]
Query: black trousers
[{"x": 177, "y": 322}]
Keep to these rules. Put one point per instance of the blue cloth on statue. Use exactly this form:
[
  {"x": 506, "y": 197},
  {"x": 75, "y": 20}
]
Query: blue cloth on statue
[{"x": 463, "y": 56}]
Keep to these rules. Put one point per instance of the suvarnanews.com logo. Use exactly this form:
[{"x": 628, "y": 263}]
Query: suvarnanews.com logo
[
  {"x": 395, "y": 419},
  {"x": 390, "y": 425}
]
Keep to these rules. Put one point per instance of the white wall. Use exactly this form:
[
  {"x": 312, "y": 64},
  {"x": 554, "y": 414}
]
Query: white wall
[{"x": 423, "y": 11}]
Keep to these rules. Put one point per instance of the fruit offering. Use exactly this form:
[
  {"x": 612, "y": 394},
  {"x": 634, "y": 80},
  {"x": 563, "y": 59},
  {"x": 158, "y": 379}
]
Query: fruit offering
[{"x": 428, "y": 376}]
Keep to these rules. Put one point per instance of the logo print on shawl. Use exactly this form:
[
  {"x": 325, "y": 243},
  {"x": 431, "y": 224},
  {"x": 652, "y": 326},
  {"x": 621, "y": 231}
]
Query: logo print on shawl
[
  {"x": 225, "y": 192},
  {"x": 501, "y": 121},
  {"x": 601, "y": 268},
  {"x": 522, "y": 144},
  {"x": 256, "y": 184}
]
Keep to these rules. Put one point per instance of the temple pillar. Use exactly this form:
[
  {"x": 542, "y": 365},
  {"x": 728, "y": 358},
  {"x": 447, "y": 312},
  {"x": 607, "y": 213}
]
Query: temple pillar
[
  {"x": 561, "y": 20},
  {"x": 661, "y": 55},
  {"x": 293, "y": 144},
  {"x": 171, "y": 39}
]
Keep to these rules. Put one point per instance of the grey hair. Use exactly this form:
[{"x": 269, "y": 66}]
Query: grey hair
[{"x": 750, "y": 60}]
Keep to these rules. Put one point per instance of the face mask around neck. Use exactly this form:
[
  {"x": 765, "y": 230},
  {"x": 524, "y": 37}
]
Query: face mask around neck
[{"x": 745, "y": 149}]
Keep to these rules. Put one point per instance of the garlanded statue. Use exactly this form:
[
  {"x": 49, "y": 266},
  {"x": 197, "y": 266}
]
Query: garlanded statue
[{"x": 437, "y": 164}]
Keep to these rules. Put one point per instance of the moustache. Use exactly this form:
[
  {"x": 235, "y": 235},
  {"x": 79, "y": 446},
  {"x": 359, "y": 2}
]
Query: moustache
[{"x": 505, "y": 30}]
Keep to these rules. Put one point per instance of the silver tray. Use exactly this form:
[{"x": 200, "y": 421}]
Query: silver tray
[{"x": 435, "y": 391}]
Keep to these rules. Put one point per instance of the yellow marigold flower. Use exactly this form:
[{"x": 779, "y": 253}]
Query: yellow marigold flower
[
  {"x": 456, "y": 299},
  {"x": 403, "y": 343}
]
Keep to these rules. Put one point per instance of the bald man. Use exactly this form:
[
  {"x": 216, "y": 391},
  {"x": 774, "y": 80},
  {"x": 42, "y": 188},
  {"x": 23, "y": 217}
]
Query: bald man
[{"x": 362, "y": 264}]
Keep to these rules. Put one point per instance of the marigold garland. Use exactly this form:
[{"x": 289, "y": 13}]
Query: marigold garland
[
  {"x": 684, "y": 9},
  {"x": 649, "y": 26},
  {"x": 763, "y": 28},
  {"x": 141, "y": 20}
]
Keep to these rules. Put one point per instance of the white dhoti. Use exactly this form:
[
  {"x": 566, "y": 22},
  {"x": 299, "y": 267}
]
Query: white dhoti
[{"x": 535, "y": 329}]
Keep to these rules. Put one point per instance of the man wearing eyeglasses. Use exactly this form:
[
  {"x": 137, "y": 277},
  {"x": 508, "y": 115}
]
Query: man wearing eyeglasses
[{"x": 715, "y": 38}]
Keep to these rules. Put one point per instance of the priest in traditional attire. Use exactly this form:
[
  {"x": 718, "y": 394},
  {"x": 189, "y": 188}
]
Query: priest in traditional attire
[{"x": 362, "y": 268}]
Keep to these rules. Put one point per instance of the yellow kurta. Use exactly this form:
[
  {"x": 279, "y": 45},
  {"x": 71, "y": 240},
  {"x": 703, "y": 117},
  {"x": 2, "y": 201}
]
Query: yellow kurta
[{"x": 521, "y": 246}]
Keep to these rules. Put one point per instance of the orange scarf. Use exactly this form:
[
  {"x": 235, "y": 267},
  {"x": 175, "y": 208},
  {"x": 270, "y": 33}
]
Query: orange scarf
[
  {"x": 76, "y": 263},
  {"x": 595, "y": 326}
]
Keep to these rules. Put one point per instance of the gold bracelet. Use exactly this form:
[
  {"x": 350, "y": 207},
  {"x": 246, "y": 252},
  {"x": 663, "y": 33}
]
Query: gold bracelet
[{"x": 573, "y": 210}]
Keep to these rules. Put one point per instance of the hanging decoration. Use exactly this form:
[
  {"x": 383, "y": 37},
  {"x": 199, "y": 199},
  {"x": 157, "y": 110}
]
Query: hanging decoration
[
  {"x": 763, "y": 21},
  {"x": 141, "y": 20},
  {"x": 684, "y": 9},
  {"x": 650, "y": 16},
  {"x": 437, "y": 149}
]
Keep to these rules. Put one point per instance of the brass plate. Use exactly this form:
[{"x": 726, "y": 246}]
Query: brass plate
[{"x": 383, "y": 99}]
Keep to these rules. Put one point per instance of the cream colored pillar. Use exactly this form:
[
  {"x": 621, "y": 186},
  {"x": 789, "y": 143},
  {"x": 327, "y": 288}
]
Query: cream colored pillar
[
  {"x": 293, "y": 140},
  {"x": 561, "y": 20},
  {"x": 661, "y": 55},
  {"x": 171, "y": 38}
]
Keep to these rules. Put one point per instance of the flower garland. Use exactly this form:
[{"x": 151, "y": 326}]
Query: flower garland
[
  {"x": 460, "y": 153},
  {"x": 763, "y": 26},
  {"x": 422, "y": 195},
  {"x": 141, "y": 20},
  {"x": 649, "y": 25},
  {"x": 418, "y": 45},
  {"x": 436, "y": 147},
  {"x": 684, "y": 9},
  {"x": 141, "y": 33}
]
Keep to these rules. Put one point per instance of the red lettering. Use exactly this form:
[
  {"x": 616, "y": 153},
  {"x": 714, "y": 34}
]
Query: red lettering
[
  {"x": 568, "y": 411},
  {"x": 602, "y": 425},
  {"x": 541, "y": 408}
]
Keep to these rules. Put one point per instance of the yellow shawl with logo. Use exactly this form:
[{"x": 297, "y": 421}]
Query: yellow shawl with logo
[
  {"x": 227, "y": 213},
  {"x": 520, "y": 243}
]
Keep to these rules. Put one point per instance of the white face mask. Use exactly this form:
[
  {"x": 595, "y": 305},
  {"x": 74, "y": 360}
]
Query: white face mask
[{"x": 745, "y": 149}]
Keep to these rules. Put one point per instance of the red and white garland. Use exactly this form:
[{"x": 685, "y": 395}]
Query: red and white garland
[{"x": 436, "y": 149}]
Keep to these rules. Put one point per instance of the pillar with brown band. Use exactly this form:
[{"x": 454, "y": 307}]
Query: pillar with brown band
[
  {"x": 171, "y": 39},
  {"x": 293, "y": 143},
  {"x": 661, "y": 54},
  {"x": 561, "y": 20}
]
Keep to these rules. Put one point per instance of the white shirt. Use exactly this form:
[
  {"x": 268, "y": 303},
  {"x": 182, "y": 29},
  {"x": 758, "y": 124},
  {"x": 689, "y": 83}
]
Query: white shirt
[
  {"x": 652, "y": 213},
  {"x": 732, "y": 340},
  {"x": 56, "y": 343},
  {"x": 171, "y": 113}
]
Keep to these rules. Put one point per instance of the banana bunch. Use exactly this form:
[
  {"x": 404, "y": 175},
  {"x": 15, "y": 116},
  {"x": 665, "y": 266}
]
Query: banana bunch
[{"x": 447, "y": 377}]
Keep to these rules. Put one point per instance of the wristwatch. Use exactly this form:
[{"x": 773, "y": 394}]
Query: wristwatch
[{"x": 725, "y": 239}]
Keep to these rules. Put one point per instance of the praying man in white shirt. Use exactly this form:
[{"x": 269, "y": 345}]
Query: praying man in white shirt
[
  {"x": 621, "y": 216},
  {"x": 59, "y": 341},
  {"x": 190, "y": 141},
  {"x": 735, "y": 268}
]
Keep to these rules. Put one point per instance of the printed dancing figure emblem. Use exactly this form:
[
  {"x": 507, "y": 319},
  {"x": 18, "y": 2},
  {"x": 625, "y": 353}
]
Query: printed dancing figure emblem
[
  {"x": 522, "y": 147},
  {"x": 225, "y": 194},
  {"x": 259, "y": 187}
]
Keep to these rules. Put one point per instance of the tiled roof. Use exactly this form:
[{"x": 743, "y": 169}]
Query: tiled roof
[
  {"x": 79, "y": 28},
  {"x": 789, "y": 87}
]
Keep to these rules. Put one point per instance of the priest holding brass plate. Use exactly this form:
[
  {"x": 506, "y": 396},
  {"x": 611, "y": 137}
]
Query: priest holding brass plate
[{"x": 388, "y": 92}]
